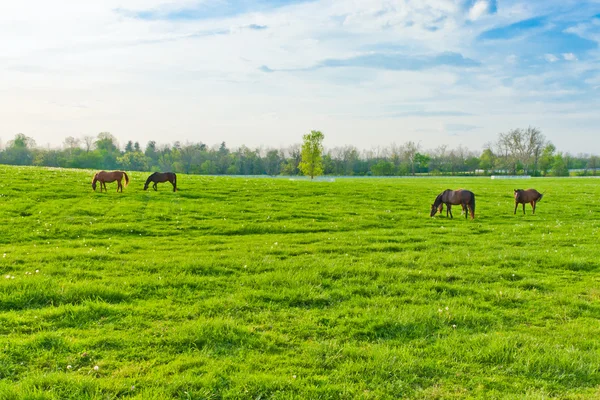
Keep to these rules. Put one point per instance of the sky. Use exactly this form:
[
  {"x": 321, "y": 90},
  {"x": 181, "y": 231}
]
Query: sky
[{"x": 262, "y": 73}]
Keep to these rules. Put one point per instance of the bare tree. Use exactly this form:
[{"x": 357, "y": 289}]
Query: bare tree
[
  {"x": 410, "y": 152},
  {"x": 88, "y": 142},
  {"x": 521, "y": 146}
]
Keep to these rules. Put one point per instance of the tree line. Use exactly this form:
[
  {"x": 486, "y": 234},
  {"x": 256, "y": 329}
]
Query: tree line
[{"x": 518, "y": 151}]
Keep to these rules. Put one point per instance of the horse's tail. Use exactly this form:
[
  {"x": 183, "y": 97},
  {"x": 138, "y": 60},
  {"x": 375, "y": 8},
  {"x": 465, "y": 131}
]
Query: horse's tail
[
  {"x": 174, "y": 182},
  {"x": 540, "y": 198},
  {"x": 472, "y": 205},
  {"x": 126, "y": 178}
]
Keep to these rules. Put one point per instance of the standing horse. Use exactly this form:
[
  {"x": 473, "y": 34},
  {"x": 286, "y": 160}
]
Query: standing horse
[
  {"x": 104, "y": 177},
  {"x": 159, "y": 177},
  {"x": 453, "y": 197},
  {"x": 530, "y": 196}
]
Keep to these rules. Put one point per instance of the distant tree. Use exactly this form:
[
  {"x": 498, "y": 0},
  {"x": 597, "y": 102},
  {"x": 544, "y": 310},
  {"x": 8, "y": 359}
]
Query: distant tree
[
  {"x": 71, "y": 143},
  {"x": 411, "y": 149},
  {"x": 273, "y": 162},
  {"x": 422, "y": 161},
  {"x": 487, "y": 160},
  {"x": 521, "y": 147},
  {"x": 593, "y": 164},
  {"x": 136, "y": 146},
  {"x": 559, "y": 166},
  {"x": 383, "y": 168},
  {"x": 472, "y": 164},
  {"x": 129, "y": 147},
  {"x": 547, "y": 158},
  {"x": 19, "y": 151},
  {"x": 106, "y": 143},
  {"x": 134, "y": 160},
  {"x": 291, "y": 162},
  {"x": 88, "y": 143},
  {"x": 312, "y": 152}
]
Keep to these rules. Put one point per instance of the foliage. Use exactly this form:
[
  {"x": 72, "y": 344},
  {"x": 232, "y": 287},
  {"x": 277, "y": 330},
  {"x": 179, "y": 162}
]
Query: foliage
[
  {"x": 103, "y": 152},
  {"x": 241, "y": 288},
  {"x": 312, "y": 151}
]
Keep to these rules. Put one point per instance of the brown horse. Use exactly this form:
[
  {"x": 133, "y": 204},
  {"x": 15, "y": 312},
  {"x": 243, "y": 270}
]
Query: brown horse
[
  {"x": 530, "y": 196},
  {"x": 159, "y": 177},
  {"x": 104, "y": 177},
  {"x": 453, "y": 197}
]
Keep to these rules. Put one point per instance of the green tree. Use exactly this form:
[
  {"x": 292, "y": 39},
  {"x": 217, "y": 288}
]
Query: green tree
[
  {"x": 19, "y": 151},
  {"x": 422, "y": 161},
  {"x": 134, "y": 160},
  {"x": 487, "y": 160},
  {"x": 593, "y": 164},
  {"x": 559, "y": 166},
  {"x": 312, "y": 150},
  {"x": 547, "y": 158}
]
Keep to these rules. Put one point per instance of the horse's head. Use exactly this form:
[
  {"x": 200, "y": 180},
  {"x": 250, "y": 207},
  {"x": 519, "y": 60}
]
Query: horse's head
[
  {"x": 94, "y": 185},
  {"x": 434, "y": 209},
  {"x": 146, "y": 186}
]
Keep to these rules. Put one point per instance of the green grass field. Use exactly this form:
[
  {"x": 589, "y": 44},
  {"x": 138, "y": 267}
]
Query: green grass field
[{"x": 282, "y": 289}]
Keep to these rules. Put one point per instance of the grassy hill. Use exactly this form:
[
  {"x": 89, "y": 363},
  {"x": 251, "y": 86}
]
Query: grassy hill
[{"x": 277, "y": 288}]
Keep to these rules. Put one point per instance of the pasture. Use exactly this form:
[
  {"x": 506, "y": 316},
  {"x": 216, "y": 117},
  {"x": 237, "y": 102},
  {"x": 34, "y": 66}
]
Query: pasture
[{"x": 282, "y": 289}]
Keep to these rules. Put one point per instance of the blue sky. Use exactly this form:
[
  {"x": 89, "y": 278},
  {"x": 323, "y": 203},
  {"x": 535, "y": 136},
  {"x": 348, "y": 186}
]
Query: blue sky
[{"x": 264, "y": 72}]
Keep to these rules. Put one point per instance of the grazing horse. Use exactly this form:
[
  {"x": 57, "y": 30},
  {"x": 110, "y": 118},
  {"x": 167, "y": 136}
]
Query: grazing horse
[
  {"x": 104, "y": 177},
  {"x": 159, "y": 177},
  {"x": 530, "y": 196},
  {"x": 453, "y": 197}
]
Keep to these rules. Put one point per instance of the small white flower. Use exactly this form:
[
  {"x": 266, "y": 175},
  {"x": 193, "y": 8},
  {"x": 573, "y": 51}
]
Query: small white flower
[
  {"x": 37, "y": 271},
  {"x": 4, "y": 255},
  {"x": 96, "y": 368},
  {"x": 454, "y": 326},
  {"x": 446, "y": 308},
  {"x": 7, "y": 276},
  {"x": 69, "y": 367},
  {"x": 294, "y": 376}
]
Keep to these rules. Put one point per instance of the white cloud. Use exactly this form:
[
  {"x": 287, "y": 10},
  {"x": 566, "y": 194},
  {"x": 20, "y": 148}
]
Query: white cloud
[
  {"x": 77, "y": 68},
  {"x": 569, "y": 56},
  {"x": 479, "y": 9}
]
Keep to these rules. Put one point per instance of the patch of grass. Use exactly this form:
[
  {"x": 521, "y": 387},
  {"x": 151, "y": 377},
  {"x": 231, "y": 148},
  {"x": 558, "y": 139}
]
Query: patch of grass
[{"x": 272, "y": 288}]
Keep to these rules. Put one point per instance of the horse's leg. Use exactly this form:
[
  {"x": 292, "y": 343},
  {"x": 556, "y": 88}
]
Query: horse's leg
[
  {"x": 119, "y": 186},
  {"x": 155, "y": 186},
  {"x": 449, "y": 208},
  {"x": 465, "y": 209},
  {"x": 516, "y": 205},
  {"x": 523, "y": 208},
  {"x": 533, "y": 207}
]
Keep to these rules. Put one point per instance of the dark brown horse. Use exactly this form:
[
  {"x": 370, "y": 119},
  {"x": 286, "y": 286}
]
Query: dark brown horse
[
  {"x": 453, "y": 197},
  {"x": 104, "y": 177},
  {"x": 530, "y": 196},
  {"x": 159, "y": 177}
]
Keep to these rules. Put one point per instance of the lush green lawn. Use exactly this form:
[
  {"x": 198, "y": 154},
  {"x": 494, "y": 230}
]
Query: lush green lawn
[{"x": 277, "y": 288}]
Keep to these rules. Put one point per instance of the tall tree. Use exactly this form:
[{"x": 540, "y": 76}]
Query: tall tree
[
  {"x": 312, "y": 152},
  {"x": 411, "y": 149}
]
